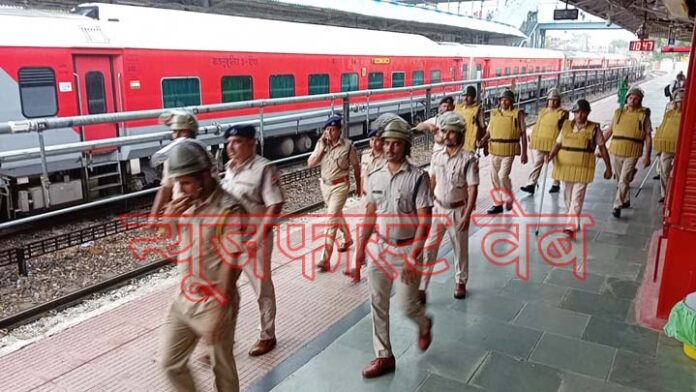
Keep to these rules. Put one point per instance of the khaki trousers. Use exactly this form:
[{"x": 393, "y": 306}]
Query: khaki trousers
[
  {"x": 180, "y": 334},
  {"x": 380, "y": 286},
  {"x": 623, "y": 167},
  {"x": 500, "y": 172},
  {"x": 538, "y": 157},
  {"x": 574, "y": 197},
  {"x": 258, "y": 271},
  {"x": 664, "y": 167},
  {"x": 335, "y": 197},
  {"x": 459, "y": 240}
]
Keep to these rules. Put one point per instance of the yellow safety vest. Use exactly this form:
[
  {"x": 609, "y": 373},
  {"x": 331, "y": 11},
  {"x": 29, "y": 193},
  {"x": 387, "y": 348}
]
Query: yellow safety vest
[
  {"x": 546, "y": 129},
  {"x": 575, "y": 161},
  {"x": 505, "y": 133},
  {"x": 469, "y": 113},
  {"x": 627, "y": 132},
  {"x": 667, "y": 133}
]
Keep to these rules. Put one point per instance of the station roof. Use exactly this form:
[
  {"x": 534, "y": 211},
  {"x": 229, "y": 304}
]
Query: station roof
[
  {"x": 658, "y": 15},
  {"x": 383, "y": 15},
  {"x": 411, "y": 13}
]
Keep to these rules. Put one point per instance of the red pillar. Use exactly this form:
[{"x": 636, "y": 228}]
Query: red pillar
[{"x": 679, "y": 270}]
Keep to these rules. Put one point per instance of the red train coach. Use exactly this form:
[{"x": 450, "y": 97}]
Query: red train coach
[{"x": 109, "y": 58}]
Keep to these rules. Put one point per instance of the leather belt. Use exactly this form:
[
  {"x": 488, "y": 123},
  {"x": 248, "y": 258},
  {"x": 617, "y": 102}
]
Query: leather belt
[
  {"x": 632, "y": 139},
  {"x": 504, "y": 140},
  {"x": 336, "y": 181},
  {"x": 578, "y": 149},
  {"x": 401, "y": 242},
  {"x": 450, "y": 206}
]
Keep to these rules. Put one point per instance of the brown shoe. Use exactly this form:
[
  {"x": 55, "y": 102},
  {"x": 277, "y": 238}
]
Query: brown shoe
[
  {"x": 422, "y": 297},
  {"x": 324, "y": 266},
  {"x": 262, "y": 346},
  {"x": 460, "y": 291},
  {"x": 379, "y": 367},
  {"x": 345, "y": 246},
  {"x": 354, "y": 274},
  {"x": 424, "y": 339}
]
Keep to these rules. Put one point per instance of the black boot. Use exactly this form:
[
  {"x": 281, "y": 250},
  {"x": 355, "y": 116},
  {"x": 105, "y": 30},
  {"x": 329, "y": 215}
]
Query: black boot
[
  {"x": 555, "y": 188},
  {"x": 626, "y": 204},
  {"x": 495, "y": 210},
  {"x": 616, "y": 212},
  {"x": 529, "y": 188}
]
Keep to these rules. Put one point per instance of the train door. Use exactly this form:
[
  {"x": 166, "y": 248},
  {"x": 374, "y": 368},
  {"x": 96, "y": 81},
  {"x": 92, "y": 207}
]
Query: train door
[{"x": 96, "y": 93}]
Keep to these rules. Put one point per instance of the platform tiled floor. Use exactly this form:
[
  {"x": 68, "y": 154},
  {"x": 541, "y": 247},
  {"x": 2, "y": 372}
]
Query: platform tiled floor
[
  {"x": 552, "y": 332},
  {"x": 549, "y": 333}
]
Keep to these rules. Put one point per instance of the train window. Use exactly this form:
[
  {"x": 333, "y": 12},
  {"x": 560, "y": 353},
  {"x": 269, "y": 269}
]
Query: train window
[
  {"x": 37, "y": 92},
  {"x": 349, "y": 82},
  {"x": 96, "y": 97},
  {"x": 465, "y": 71},
  {"x": 375, "y": 80},
  {"x": 318, "y": 84},
  {"x": 398, "y": 79},
  {"x": 507, "y": 70},
  {"x": 435, "y": 76},
  {"x": 237, "y": 88},
  {"x": 524, "y": 70},
  {"x": 537, "y": 68},
  {"x": 282, "y": 86},
  {"x": 418, "y": 78},
  {"x": 498, "y": 71},
  {"x": 516, "y": 70},
  {"x": 178, "y": 92}
]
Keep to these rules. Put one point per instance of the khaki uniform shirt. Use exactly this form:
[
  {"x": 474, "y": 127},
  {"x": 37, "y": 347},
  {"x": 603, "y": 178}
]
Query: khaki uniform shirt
[
  {"x": 337, "y": 159},
  {"x": 369, "y": 162},
  {"x": 256, "y": 184},
  {"x": 437, "y": 147},
  {"x": 397, "y": 198},
  {"x": 218, "y": 218},
  {"x": 453, "y": 175}
]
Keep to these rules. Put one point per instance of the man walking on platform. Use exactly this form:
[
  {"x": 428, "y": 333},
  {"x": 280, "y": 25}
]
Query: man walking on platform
[
  {"x": 430, "y": 125},
  {"x": 630, "y": 130},
  {"x": 543, "y": 137},
  {"x": 254, "y": 181},
  {"x": 472, "y": 113},
  {"x": 666, "y": 138},
  {"x": 574, "y": 163},
  {"x": 336, "y": 155},
  {"x": 506, "y": 138},
  {"x": 394, "y": 230},
  {"x": 207, "y": 301},
  {"x": 454, "y": 181}
]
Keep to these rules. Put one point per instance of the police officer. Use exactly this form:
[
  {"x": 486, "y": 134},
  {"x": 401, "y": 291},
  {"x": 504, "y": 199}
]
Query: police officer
[
  {"x": 396, "y": 225},
  {"x": 207, "y": 301},
  {"x": 254, "y": 181},
  {"x": 666, "y": 138},
  {"x": 678, "y": 83},
  {"x": 430, "y": 125},
  {"x": 472, "y": 113},
  {"x": 183, "y": 125},
  {"x": 454, "y": 180},
  {"x": 630, "y": 130},
  {"x": 335, "y": 155},
  {"x": 374, "y": 156},
  {"x": 506, "y": 137},
  {"x": 544, "y": 134},
  {"x": 574, "y": 157}
]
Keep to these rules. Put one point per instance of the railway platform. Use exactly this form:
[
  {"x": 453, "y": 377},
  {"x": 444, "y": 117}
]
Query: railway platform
[{"x": 545, "y": 331}]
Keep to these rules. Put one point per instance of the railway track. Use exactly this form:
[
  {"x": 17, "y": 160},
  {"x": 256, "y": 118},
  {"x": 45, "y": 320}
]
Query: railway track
[{"x": 90, "y": 234}]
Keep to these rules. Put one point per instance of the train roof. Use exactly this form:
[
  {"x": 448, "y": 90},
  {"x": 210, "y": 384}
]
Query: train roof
[
  {"x": 497, "y": 51},
  {"x": 152, "y": 28}
]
